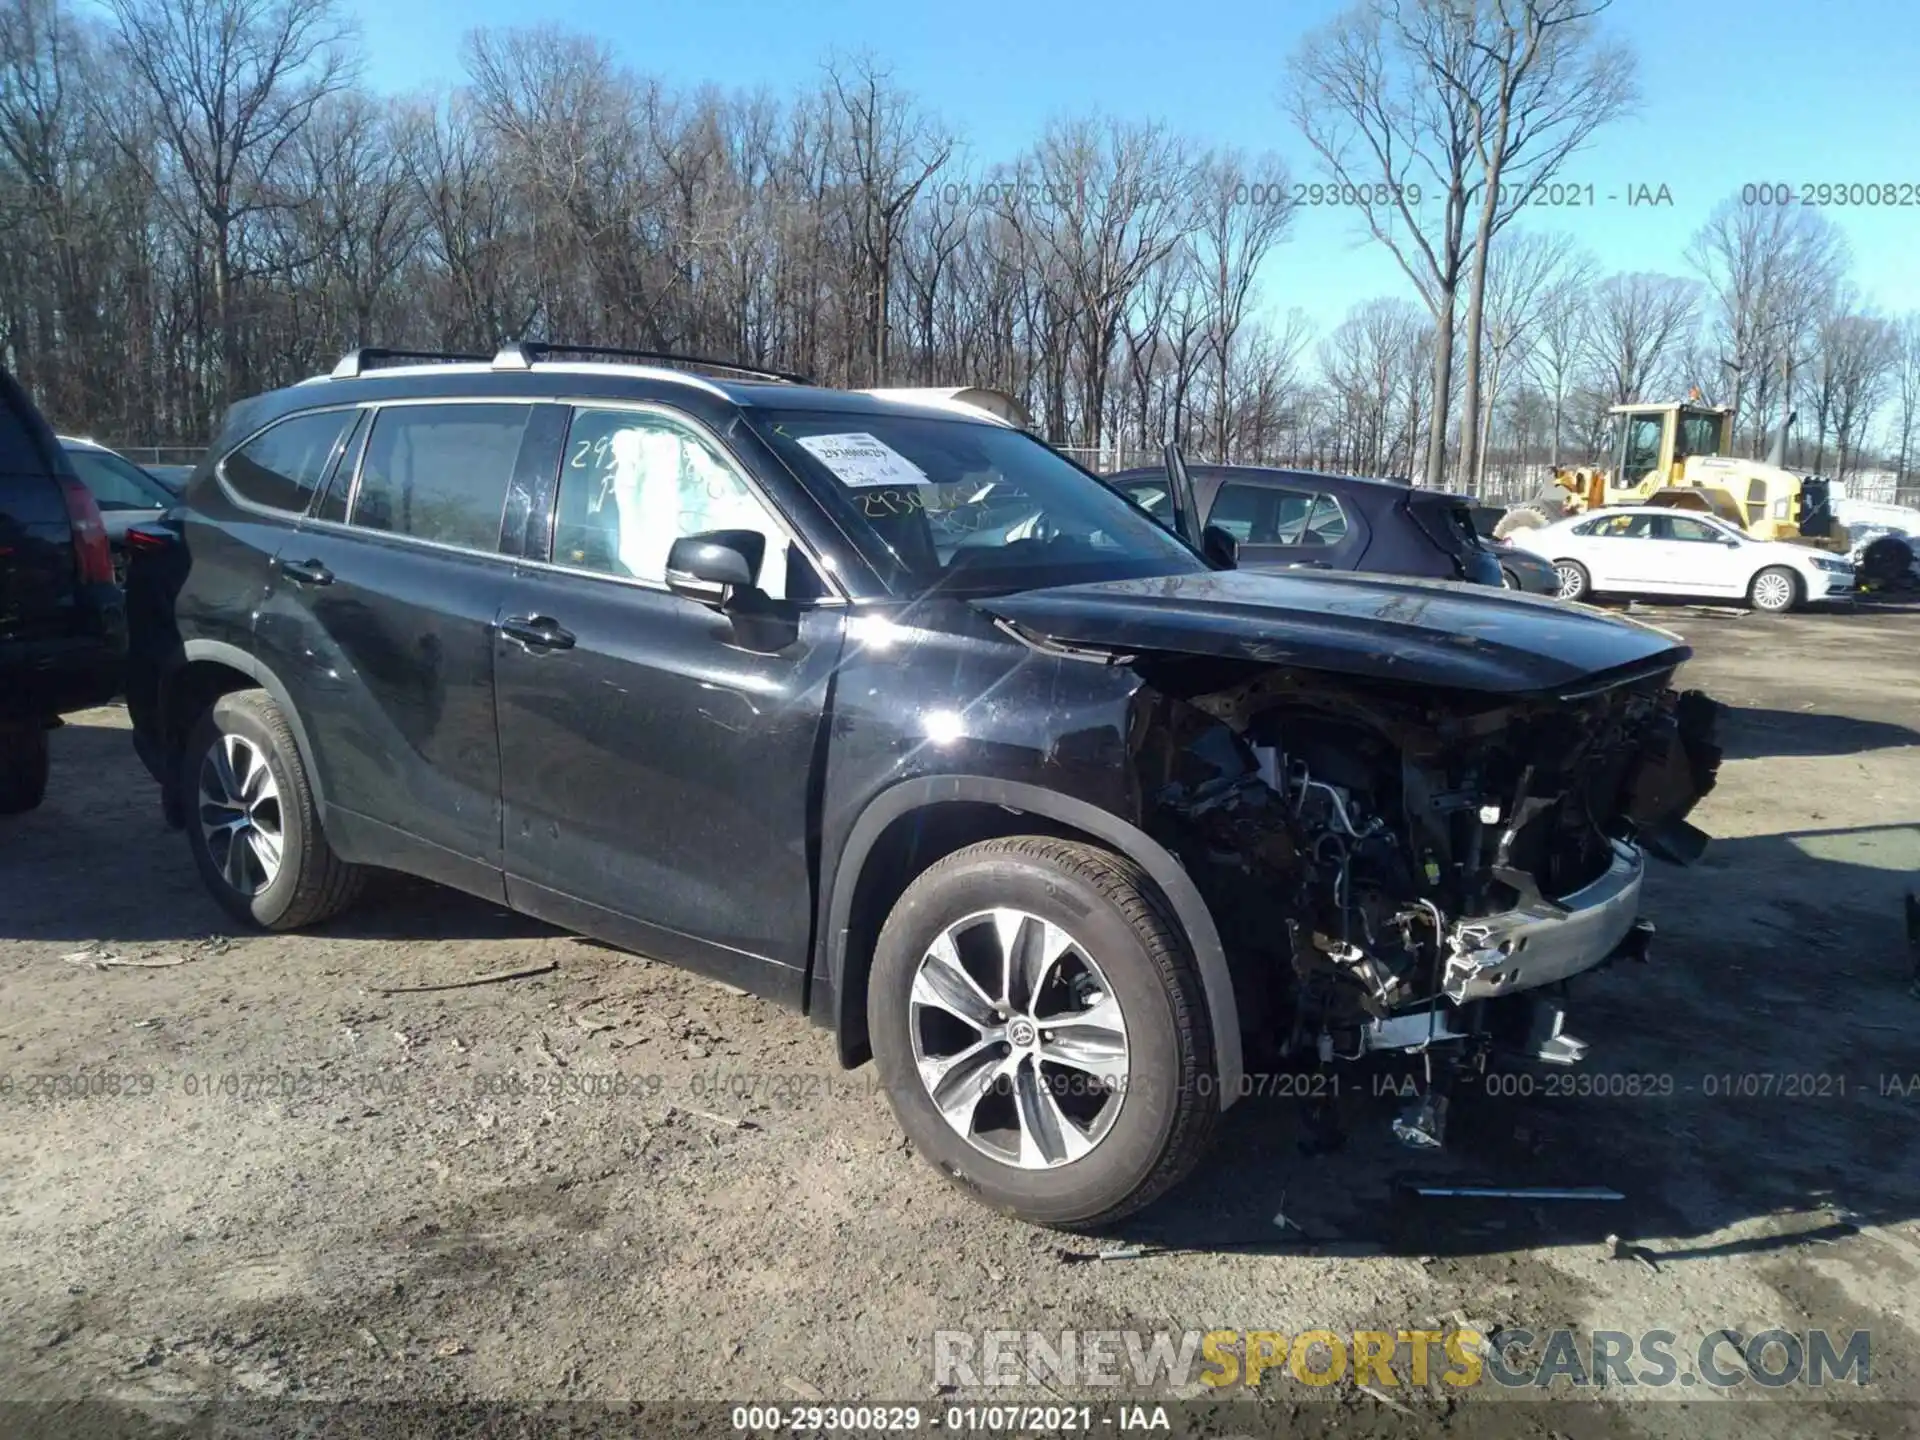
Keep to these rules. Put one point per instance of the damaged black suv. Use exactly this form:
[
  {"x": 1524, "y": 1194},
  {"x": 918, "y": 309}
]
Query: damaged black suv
[{"x": 882, "y": 708}]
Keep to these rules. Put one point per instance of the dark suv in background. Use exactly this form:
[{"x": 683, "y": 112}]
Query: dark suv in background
[
  {"x": 62, "y": 624},
  {"x": 896, "y": 715},
  {"x": 1330, "y": 522}
]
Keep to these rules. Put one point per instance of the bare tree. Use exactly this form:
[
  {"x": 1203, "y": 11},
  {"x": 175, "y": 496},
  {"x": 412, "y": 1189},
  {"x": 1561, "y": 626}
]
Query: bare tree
[
  {"x": 1906, "y": 393},
  {"x": 1856, "y": 357},
  {"x": 230, "y": 84},
  {"x": 890, "y": 151},
  {"x": 1242, "y": 213},
  {"x": 1639, "y": 323},
  {"x": 1771, "y": 270},
  {"x": 1531, "y": 286},
  {"x": 1548, "y": 83},
  {"x": 1388, "y": 99}
]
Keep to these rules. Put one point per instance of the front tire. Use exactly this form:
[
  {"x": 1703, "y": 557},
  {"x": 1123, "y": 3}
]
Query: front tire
[
  {"x": 1774, "y": 591},
  {"x": 1042, "y": 1032},
  {"x": 252, "y": 823},
  {"x": 1575, "y": 582},
  {"x": 24, "y": 762}
]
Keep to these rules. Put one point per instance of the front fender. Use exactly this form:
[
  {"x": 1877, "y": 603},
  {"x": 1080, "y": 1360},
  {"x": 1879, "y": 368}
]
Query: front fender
[{"x": 932, "y": 790}]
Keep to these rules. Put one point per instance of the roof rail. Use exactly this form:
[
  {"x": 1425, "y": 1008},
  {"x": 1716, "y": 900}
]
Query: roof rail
[
  {"x": 522, "y": 355},
  {"x": 357, "y": 362}
]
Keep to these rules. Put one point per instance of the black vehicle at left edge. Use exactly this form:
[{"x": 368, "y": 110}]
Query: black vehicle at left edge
[{"x": 890, "y": 712}]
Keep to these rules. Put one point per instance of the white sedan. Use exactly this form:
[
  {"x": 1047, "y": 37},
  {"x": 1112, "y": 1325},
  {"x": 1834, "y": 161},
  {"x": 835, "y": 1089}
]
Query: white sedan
[{"x": 1651, "y": 550}]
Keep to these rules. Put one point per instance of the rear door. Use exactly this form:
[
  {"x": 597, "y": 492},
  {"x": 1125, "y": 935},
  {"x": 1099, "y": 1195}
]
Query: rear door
[
  {"x": 379, "y": 618},
  {"x": 658, "y": 757},
  {"x": 1280, "y": 525}
]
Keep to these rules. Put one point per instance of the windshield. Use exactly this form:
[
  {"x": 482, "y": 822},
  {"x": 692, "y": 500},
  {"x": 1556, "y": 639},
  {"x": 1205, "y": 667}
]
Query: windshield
[{"x": 967, "y": 506}]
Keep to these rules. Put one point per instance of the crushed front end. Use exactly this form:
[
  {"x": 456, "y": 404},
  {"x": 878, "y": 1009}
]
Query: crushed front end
[{"x": 1399, "y": 867}]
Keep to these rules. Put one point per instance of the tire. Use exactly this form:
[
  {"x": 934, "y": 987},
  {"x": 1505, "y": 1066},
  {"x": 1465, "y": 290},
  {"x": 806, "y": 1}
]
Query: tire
[
  {"x": 1527, "y": 515},
  {"x": 1575, "y": 582},
  {"x": 1774, "y": 591},
  {"x": 1509, "y": 580},
  {"x": 24, "y": 761},
  {"x": 1136, "y": 1140},
  {"x": 309, "y": 882}
]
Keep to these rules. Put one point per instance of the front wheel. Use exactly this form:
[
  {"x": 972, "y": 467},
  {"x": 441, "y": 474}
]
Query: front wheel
[
  {"x": 1041, "y": 1030},
  {"x": 252, "y": 823},
  {"x": 1774, "y": 591},
  {"x": 24, "y": 762},
  {"x": 1574, "y": 581}
]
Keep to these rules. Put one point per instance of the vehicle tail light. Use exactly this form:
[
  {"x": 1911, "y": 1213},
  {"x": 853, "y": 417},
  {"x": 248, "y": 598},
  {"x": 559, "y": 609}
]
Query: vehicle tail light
[
  {"x": 90, "y": 546},
  {"x": 147, "y": 542}
]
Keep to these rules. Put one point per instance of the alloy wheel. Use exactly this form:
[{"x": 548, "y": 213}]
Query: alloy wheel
[
  {"x": 240, "y": 817},
  {"x": 1018, "y": 1039},
  {"x": 1572, "y": 584},
  {"x": 1773, "y": 591}
]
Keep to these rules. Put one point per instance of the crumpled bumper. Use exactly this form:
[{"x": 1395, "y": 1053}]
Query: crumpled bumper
[{"x": 1546, "y": 940}]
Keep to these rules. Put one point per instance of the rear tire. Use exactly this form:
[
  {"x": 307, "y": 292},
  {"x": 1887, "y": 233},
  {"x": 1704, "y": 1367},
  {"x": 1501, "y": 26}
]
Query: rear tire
[
  {"x": 252, "y": 823},
  {"x": 1575, "y": 582},
  {"x": 24, "y": 761},
  {"x": 1022, "y": 1128},
  {"x": 1774, "y": 591}
]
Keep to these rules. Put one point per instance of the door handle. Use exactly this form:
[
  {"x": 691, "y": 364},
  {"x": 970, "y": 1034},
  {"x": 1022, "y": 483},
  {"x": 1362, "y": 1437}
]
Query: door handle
[
  {"x": 306, "y": 572},
  {"x": 536, "y": 632}
]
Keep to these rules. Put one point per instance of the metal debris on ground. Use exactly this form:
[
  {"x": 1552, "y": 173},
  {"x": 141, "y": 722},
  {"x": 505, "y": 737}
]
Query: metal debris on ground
[
  {"x": 727, "y": 1120},
  {"x": 1619, "y": 1249},
  {"x": 1122, "y": 1252},
  {"x": 1496, "y": 1192},
  {"x": 100, "y": 960},
  {"x": 1387, "y": 1400},
  {"x": 492, "y": 978}
]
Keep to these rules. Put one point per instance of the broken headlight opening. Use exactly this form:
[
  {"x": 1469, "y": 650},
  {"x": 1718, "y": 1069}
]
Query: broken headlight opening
[{"x": 1399, "y": 869}]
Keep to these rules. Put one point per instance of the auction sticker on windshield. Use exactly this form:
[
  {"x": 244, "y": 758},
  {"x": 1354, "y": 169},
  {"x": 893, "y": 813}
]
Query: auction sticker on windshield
[{"x": 862, "y": 461}]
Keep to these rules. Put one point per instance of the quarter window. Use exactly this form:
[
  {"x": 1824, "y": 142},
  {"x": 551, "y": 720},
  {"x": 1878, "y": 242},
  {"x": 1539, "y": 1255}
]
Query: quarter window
[
  {"x": 633, "y": 482},
  {"x": 440, "y": 472},
  {"x": 282, "y": 466}
]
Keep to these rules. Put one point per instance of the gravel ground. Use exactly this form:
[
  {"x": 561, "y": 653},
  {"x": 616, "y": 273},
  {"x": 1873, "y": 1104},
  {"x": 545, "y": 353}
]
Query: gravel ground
[{"x": 614, "y": 1180}]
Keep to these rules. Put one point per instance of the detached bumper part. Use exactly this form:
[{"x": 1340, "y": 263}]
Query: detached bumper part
[{"x": 1548, "y": 940}]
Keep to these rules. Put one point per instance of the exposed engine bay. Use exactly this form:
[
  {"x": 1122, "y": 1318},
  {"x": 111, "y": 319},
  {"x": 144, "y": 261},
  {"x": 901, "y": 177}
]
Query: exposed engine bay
[{"x": 1400, "y": 868}]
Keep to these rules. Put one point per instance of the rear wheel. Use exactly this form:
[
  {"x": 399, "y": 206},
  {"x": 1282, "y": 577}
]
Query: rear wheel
[
  {"x": 24, "y": 760},
  {"x": 252, "y": 823},
  {"x": 1774, "y": 591},
  {"x": 1041, "y": 1030},
  {"x": 1574, "y": 581},
  {"x": 1508, "y": 579}
]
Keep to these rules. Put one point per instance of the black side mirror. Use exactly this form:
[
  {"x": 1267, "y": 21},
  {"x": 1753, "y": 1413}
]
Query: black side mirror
[
  {"x": 1220, "y": 548},
  {"x": 715, "y": 565}
]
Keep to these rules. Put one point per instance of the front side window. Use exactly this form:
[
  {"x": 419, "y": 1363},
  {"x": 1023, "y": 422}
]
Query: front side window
[
  {"x": 964, "y": 505},
  {"x": 116, "y": 483},
  {"x": 282, "y": 466},
  {"x": 439, "y": 472},
  {"x": 1640, "y": 450},
  {"x": 1682, "y": 527},
  {"x": 635, "y": 481}
]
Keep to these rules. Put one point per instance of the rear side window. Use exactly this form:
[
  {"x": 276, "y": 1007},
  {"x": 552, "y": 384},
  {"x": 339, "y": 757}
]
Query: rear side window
[
  {"x": 1268, "y": 515},
  {"x": 283, "y": 465},
  {"x": 440, "y": 472}
]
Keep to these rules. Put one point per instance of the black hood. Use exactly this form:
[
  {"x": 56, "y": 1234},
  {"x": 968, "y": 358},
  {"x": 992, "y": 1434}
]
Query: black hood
[{"x": 1421, "y": 632}]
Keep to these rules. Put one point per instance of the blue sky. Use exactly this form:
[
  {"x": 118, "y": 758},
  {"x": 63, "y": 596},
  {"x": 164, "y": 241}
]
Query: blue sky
[{"x": 1767, "y": 90}]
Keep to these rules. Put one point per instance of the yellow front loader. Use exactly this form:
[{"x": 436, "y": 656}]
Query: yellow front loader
[{"x": 1677, "y": 453}]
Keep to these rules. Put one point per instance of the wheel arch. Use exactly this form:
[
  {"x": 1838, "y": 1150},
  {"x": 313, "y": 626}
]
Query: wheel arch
[
  {"x": 206, "y": 670},
  {"x": 932, "y": 816}
]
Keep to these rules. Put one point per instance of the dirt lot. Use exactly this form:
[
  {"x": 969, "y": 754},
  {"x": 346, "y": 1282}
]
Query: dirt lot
[{"x": 615, "y": 1180}]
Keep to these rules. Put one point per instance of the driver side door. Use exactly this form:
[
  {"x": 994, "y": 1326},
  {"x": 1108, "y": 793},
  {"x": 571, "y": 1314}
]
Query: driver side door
[{"x": 657, "y": 755}]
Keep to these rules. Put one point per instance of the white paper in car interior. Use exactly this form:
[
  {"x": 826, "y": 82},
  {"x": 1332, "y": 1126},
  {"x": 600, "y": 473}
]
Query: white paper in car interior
[{"x": 861, "y": 461}]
